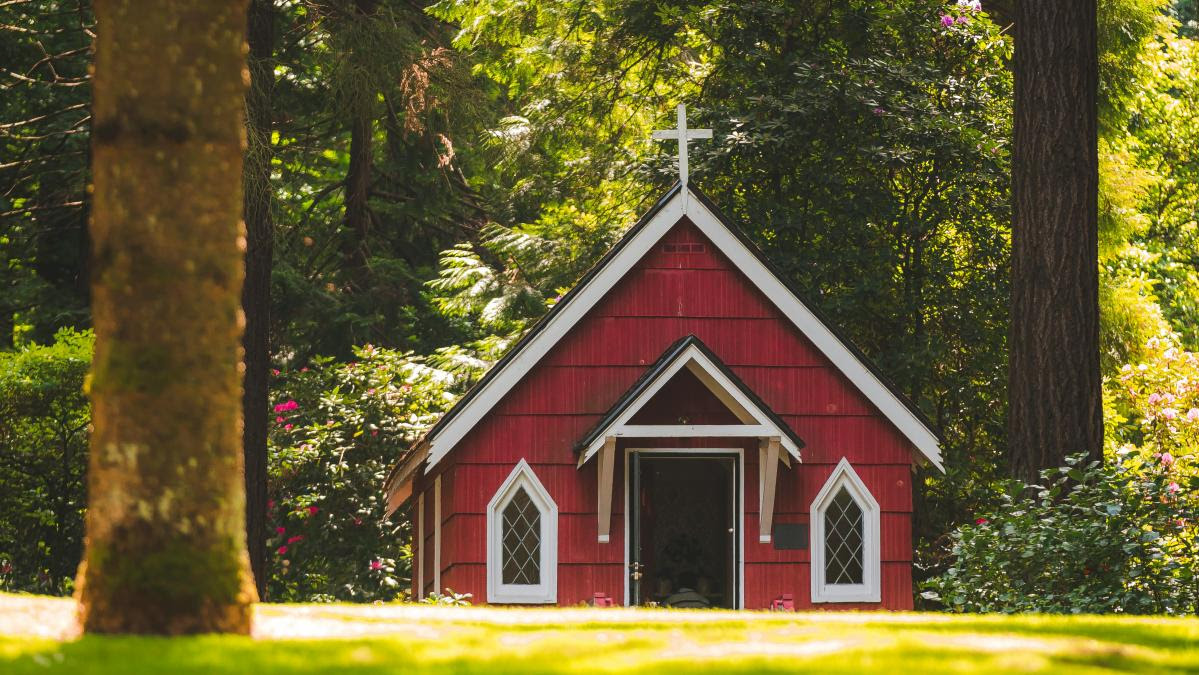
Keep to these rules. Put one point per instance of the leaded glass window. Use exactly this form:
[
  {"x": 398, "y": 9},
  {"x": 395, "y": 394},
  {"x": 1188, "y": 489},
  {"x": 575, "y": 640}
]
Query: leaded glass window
[
  {"x": 521, "y": 541},
  {"x": 843, "y": 540}
]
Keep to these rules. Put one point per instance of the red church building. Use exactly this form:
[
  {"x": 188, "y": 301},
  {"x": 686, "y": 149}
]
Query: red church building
[{"x": 680, "y": 429}]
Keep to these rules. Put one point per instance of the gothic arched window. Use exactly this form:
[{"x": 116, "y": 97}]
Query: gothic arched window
[
  {"x": 522, "y": 541},
  {"x": 845, "y": 540}
]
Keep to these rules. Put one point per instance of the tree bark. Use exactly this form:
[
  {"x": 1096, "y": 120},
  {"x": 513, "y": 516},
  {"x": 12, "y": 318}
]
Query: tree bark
[
  {"x": 358, "y": 176},
  {"x": 256, "y": 294},
  {"x": 1055, "y": 389},
  {"x": 166, "y": 547}
]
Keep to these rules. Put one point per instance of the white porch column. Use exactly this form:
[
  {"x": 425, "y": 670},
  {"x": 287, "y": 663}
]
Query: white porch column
[
  {"x": 768, "y": 471},
  {"x": 607, "y": 461}
]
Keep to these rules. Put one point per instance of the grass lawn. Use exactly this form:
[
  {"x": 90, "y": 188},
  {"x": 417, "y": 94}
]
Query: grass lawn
[{"x": 35, "y": 638}]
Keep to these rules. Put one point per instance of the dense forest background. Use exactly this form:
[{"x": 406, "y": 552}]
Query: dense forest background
[{"x": 437, "y": 174}]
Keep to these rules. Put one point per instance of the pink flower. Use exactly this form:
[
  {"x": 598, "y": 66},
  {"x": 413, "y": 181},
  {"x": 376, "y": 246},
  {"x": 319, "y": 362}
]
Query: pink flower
[
  {"x": 374, "y": 432},
  {"x": 1173, "y": 488},
  {"x": 376, "y": 565},
  {"x": 282, "y": 550},
  {"x": 281, "y": 407},
  {"x": 287, "y": 427},
  {"x": 1154, "y": 398},
  {"x": 1193, "y": 415},
  {"x": 370, "y": 392},
  {"x": 357, "y": 521},
  {"x": 1167, "y": 459},
  {"x": 270, "y": 503},
  {"x": 312, "y": 510},
  {"x": 280, "y": 419},
  {"x": 274, "y": 371},
  {"x": 291, "y": 405},
  {"x": 298, "y": 537},
  {"x": 1169, "y": 413},
  {"x": 280, "y": 530},
  {"x": 963, "y": 19},
  {"x": 981, "y": 521},
  {"x": 879, "y": 112},
  {"x": 946, "y": 20}
]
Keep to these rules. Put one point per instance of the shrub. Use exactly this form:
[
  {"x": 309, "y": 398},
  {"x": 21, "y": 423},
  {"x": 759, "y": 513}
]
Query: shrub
[
  {"x": 1106, "y": 537},
  {"x": 44, "y": 418},
  {"x": 338, "y": 428}
]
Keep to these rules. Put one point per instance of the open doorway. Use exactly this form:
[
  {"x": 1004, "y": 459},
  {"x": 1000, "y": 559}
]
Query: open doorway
[{"x": 684, "y": 529}]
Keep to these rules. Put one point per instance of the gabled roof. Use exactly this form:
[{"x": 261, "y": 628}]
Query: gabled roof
[
  {"x": 677, "y": 203},
  {"x": 690, "y": 352}
]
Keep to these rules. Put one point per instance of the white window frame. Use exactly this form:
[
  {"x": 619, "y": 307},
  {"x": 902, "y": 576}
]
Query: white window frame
[
  {"x": 870, "y": 590},
  {"x": 545, "y": 592}
]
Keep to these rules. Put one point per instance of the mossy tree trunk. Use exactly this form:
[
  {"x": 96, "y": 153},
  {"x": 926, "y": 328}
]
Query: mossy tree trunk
[{"x": 166, "y": 546}]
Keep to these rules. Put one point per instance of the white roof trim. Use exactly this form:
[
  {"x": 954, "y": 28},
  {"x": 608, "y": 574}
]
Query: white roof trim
[
  {"x": 754, "y": 421},
  {"x": 744, "y": 259}
]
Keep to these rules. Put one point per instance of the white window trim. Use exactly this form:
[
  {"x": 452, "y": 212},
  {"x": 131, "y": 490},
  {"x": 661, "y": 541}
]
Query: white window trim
[
  {"x": 547, "y": 591},
  {"x": 870, "y": 590}
]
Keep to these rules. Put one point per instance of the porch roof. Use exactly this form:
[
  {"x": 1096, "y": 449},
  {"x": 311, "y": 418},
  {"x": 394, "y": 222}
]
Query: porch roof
[{"x": 757, "y": 420}]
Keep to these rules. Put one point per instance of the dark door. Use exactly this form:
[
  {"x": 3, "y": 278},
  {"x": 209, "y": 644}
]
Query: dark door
[{"x": 684, "y": 529}]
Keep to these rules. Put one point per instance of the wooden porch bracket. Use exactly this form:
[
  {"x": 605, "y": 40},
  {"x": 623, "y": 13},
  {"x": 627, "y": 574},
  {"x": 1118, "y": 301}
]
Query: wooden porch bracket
[
  {"x": 607, "y": 461},
  {"x": 768, "y": 471}
]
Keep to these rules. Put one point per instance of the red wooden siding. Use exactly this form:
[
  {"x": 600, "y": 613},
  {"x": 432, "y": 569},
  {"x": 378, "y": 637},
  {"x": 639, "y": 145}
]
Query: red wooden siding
[{"x": 667, "y": 296}]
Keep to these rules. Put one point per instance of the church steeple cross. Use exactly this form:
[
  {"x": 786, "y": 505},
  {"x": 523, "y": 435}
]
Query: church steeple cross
[{"x": 682, "y": 135}]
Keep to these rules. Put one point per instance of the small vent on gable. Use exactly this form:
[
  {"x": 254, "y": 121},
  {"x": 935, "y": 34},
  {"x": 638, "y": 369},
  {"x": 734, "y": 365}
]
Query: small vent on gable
[{"x": 683, "y": 247}]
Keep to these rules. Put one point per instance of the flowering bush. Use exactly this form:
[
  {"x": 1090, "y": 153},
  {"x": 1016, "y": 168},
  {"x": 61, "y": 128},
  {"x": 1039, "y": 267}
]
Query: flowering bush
[
  {"x": 338, "y": 429},
  {"x": 1118, "y": 537},
  {"x": 1113, "y": 537},
  {"x": 1153, "y": 407}
]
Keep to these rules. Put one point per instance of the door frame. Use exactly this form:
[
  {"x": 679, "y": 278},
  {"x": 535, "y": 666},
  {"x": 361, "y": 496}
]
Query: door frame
[{"x": 739, "y": 507}]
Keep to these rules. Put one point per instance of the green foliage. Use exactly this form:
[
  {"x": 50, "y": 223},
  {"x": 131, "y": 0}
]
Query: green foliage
[
  {"x": 44, "y": 420},
  {"x": 449, "y": 598},
  {"x": 1122, "y": 537},
  {"x": 1165, "y": 129},
  {"x": 1094, "y": 538},
  {"x": 338, "y": 429},
  {"x": 44, "y": 117}
]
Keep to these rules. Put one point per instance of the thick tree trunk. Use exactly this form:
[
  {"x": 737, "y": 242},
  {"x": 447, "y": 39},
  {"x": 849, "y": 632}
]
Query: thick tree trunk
[
  {"x": 1056, "y": 401},
  {"x": 256, "y": 294},
  {"x": 166, "y": 547}
]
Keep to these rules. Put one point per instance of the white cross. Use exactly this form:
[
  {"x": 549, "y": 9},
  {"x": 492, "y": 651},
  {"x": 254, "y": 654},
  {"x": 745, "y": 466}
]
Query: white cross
[{"x": 682, "y": 135}]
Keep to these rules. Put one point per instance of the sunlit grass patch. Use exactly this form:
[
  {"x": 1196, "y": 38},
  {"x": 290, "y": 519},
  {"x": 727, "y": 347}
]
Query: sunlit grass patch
[{"x": 408, "y": 638}]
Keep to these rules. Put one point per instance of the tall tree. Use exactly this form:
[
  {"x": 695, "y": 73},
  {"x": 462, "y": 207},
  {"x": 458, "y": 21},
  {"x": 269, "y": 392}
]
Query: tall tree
[
  {"x": 165, "y": 549},
  {"x": 256, "y": 294},
  {"x": 1055, "y": 388}
]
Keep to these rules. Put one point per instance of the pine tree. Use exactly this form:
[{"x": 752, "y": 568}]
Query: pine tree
[{"x": 1055, "y": 389}]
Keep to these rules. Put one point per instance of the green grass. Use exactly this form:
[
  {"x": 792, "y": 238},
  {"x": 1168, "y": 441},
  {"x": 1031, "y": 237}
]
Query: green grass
[{"x": 342, "y": 638}]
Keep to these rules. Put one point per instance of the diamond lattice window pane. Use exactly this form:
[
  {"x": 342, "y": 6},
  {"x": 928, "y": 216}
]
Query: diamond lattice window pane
[
  {"x": 843, "y": 540},
  {"x": 522, "y": 541}
]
